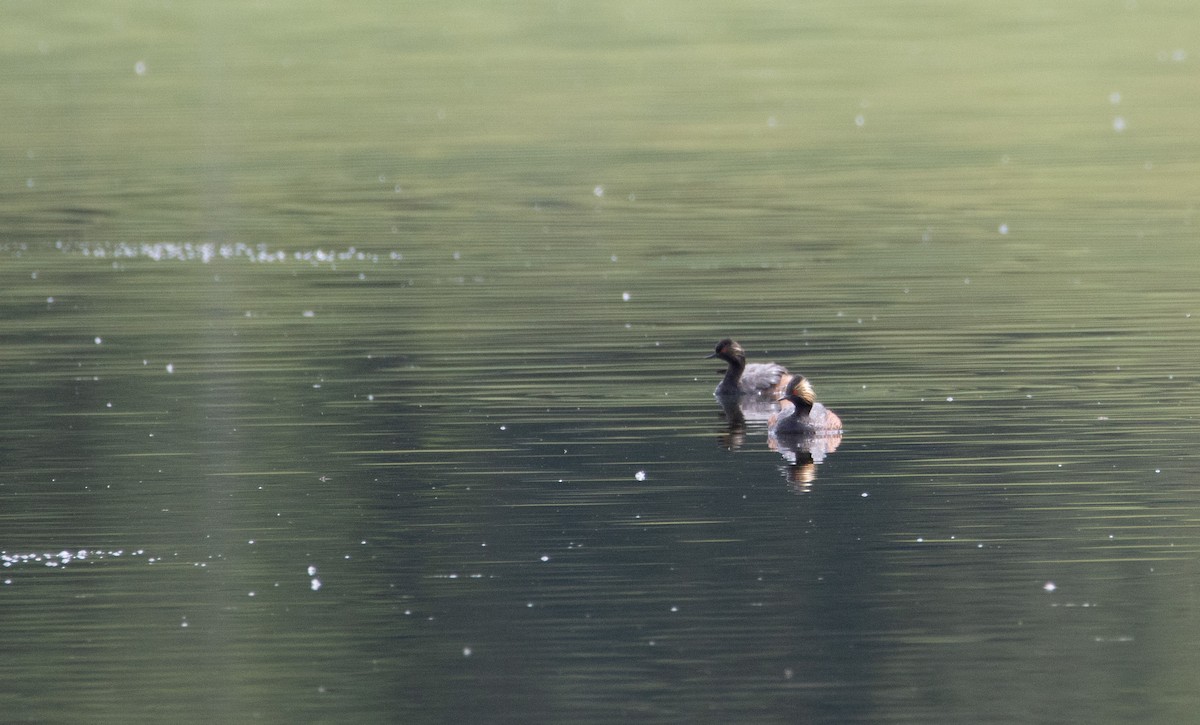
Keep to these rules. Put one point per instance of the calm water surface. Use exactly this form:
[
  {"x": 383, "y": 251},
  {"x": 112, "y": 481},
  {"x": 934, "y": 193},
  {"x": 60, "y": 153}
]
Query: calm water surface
[{"x": 353, "y": 367}]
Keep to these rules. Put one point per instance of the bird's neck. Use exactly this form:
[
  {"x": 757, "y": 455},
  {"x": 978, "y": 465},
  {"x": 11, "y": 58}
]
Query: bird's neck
[{"x": 733, "y": 373}]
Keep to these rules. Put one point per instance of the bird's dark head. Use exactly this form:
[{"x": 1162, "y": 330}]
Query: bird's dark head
[{"x": 729, "y": 351}]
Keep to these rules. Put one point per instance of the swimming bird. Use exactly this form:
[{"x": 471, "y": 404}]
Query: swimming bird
[
  {"x": 742, "y": 378},
  {"x": 805, "y": 416}
]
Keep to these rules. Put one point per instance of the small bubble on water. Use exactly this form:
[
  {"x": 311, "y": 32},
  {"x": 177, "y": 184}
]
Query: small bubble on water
[
  {"x": 315, "y": 584},
  {"x": 598, "y": 191},
  {"x": 624, "y": 296},
  {"x": 1118, "y": 124},
  {"x": 140, "y": 67},
  {"x": 98, "y": 340},
  {"x": 640, "y": 475},
  {"x": 1049, "y": 586}
]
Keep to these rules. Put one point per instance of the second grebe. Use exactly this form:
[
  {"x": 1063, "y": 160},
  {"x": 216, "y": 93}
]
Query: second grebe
[
  {"x": 765, "y": 379},
  {"x": 805, "y": 416}
]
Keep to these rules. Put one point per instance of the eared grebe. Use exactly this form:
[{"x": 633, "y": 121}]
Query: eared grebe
[
  {"x": 765, "y": 379},
  {"x": 805, "y": 416}
]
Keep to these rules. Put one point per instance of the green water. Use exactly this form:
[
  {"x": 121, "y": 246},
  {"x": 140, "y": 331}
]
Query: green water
[{"x": 417, "y": 296}]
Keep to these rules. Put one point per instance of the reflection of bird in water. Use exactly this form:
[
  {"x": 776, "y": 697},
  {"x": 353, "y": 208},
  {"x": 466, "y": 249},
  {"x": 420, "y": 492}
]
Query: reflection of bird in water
[
  {"x": 741, "y": 378},
  {"x": 734, "y": 435},
  {"x": 803, "y": 452},
  {"x": 736, "y": 411},
  {"x": 803, "y": 432}
]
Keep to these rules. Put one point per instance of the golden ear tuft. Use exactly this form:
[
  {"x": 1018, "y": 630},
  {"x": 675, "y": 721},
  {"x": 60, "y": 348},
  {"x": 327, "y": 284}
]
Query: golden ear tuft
[{"x": 803, "y": 390}]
